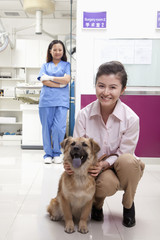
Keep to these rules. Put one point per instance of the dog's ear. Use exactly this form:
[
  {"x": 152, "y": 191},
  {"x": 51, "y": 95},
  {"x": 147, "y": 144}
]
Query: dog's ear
[
  {"x": 65, "y": 142},
  {"x": 94, "y": 145}
]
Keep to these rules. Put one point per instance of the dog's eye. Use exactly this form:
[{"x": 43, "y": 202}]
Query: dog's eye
[
  {"x": 84, "y": 144},
  {"x": 73, "y": 143}
]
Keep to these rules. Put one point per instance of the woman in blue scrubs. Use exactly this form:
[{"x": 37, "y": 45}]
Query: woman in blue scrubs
[{"x": 54, "y": 100}]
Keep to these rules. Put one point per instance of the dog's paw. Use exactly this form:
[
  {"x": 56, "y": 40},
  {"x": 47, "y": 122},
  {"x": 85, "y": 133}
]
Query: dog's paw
[
  {"x": 54, "y": 218},
  {"x": 82, "y": 228},
  {"x": 69, "y": 228}
]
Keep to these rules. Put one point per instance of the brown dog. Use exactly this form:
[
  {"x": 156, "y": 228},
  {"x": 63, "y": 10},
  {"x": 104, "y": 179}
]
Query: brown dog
[{"x": 75, "y": 192}]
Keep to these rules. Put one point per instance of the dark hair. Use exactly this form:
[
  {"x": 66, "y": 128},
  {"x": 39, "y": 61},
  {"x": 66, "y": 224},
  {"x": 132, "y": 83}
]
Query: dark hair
[
  {"x": 113, "y": 67},
  {"x": 49, "y": 56}
]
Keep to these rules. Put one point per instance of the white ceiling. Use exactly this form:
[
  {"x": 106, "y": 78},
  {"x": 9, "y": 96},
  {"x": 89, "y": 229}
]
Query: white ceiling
[{"x": 14, "y": 9}]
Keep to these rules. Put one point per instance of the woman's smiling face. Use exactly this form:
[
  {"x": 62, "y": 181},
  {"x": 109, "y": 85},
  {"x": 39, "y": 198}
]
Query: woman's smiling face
[
  {"x": 108, "y": 90},
  {"x": 57, "y": 51}
]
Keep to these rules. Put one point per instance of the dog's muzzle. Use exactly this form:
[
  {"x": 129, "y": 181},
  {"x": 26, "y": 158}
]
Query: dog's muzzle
[{"x": 78, "y": 156}]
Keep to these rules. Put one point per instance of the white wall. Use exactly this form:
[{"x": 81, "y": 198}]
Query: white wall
[{"x": 125, "y": 19}]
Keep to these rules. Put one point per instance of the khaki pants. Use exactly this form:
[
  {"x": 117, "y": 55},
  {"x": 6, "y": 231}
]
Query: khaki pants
[{"x": 125, "y": 175}]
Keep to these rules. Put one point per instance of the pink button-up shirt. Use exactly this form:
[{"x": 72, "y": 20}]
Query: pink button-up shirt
[{"x": 119, "y": 135}]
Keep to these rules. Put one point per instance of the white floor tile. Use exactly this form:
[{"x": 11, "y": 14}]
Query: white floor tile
[{"x": 27, "y": 185}]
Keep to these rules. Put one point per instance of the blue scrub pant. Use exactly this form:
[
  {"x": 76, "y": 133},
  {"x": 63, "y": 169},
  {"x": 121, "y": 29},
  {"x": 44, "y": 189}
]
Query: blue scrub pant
[{"x": 53, "y": 120}]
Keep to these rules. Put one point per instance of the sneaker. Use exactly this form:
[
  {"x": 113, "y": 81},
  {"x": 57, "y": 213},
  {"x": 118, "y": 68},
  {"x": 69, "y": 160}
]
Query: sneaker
[
  {"x": 97, "y": 214},
  {"x": 47, "y": 160},
  {"x": 58, "y": 159},
  {"x": 129, "y": 216}
]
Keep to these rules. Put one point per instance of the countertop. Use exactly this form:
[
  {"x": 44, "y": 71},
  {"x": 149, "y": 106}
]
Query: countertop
[{"x": 142, "y": 90}]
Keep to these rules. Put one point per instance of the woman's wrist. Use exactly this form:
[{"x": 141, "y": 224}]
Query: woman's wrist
[
  {"x": 105, "y": 165},
  {"x": 46, "y": 77},
  {"x": 62, "y": 85}
]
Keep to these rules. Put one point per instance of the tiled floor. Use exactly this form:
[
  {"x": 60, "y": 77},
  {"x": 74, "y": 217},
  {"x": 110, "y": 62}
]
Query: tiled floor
[{"x": 27, "y": 185}]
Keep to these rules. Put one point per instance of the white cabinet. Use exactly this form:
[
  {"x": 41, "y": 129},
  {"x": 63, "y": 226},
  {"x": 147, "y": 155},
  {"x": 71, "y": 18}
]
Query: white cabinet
[
  {"x": 5, "y": 57},
  {"x": 26, "y": 53},
  {"x": 43, "y": 46},
  {"x": 18, "y": 56},
  {"x": 32, "y": 130},
  {"x": 36, "y": 52},
  {"x": 32, "y": 53},
  {"x": 29, "y": 53}
]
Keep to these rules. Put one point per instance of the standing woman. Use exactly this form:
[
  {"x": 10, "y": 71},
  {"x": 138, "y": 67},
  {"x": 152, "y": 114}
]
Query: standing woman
[{"x": 54, "y": 100}]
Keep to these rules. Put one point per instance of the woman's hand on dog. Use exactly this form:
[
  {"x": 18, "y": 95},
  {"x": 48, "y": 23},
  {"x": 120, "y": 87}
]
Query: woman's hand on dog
[
  {"x": 94, "y": 170},
  {"x": 68, "y": 168},
  {"x": 97, "y": 169}
]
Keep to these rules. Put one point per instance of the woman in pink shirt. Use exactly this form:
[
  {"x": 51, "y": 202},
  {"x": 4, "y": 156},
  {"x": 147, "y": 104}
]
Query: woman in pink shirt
[{"x": 115, "y": 127}]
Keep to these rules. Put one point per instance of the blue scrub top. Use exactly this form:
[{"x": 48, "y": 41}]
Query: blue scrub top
[{"x": 50, "y": 96}]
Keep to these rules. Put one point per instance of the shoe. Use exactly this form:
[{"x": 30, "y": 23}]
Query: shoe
[
  {"x": 48, "y": 160},
  {"x": 129, "y": 217},
  {"x": 129, "y": 222},
  {"x": 58, "y": 159},
  {"x": 97, "y": 214}
]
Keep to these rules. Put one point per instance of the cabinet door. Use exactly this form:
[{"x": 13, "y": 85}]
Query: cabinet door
[
  {"x": 32, "y": 130},
  {"x": 5, "y": 57},
  {"x": 43, "y": 51},
  {"x": 19, "y": 54},
  {"x": 32, "y": 53}
]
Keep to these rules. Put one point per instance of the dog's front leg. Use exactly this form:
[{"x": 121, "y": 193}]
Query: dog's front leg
[
  {"x": 84, "y": 217},
  {"x": 69, "y": 225}
]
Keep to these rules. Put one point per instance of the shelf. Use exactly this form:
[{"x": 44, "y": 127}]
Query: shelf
[
  {"x": 16, "y": 123},
  {"x": 12, "y": 79},
  {"x": 130, "y": 90},
  {"x": 7, "y": 97},
  {"x": 10, "y": 110},
  {"x": 31, "y": 95},
  {"x": 30, "y": 87},
  {"x": 29, "y": 107},
  {"x": 10, "y": 137}
]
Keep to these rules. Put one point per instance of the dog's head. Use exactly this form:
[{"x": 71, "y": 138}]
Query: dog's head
[{"x": 78, "y": 150}]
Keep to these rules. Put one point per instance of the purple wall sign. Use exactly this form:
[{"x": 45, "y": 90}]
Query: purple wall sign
[
  {"x": 158, "y": 19},
  {"x": 96, "y": 20}
]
